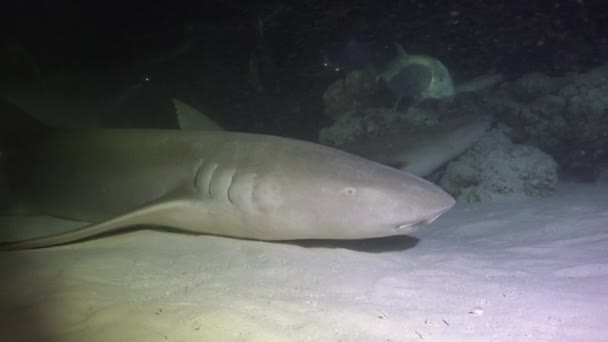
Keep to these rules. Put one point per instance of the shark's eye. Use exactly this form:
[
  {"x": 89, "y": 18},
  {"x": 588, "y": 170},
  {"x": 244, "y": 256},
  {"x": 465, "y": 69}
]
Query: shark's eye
[{"x": 350, "y": 191}]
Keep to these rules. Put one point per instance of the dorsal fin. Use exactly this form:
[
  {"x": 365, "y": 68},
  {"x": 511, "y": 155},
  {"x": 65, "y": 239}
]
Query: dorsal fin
[
  {"x": 189, "y": 118},
  {"x": 400, "y": 50}
]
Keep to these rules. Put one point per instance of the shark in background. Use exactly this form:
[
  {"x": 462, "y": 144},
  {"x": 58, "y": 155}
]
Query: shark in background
[
  {"x": 231, "y": 184},
  {"x": 421, "y": 150}
]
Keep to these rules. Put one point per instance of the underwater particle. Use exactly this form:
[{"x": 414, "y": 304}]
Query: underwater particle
[
  {"x": 477, "y": 311},
  {"x": 381, "y": 314}
]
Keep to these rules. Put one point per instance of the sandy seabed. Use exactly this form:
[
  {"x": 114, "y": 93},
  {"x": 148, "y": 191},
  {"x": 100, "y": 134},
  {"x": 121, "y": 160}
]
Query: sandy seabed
[{"x": 511, "y": 270}]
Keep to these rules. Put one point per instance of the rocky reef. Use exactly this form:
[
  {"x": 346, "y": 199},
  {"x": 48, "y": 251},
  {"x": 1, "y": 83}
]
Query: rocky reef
[
  {"x": 495, "y": 167},
  {"x": 566, "y": 117}
]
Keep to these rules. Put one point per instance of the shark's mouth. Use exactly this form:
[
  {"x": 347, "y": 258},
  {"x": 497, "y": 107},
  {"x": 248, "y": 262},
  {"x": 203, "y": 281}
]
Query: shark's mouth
[
  {"x": 405, "y": 228},
  {"x": 409, "y": 227}
]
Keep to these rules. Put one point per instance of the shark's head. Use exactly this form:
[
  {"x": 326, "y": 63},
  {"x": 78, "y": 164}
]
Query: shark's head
[{"x": 335, "y": 195}]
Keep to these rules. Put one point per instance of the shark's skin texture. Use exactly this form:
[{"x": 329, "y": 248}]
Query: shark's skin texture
[
  {"x": 231, "y": 184},
  {"x": 421, "y": 151}
]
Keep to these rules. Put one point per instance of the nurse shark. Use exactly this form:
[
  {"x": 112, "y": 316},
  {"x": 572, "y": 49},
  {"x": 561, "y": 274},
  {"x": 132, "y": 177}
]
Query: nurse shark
[{"x": 231, "y": 184}]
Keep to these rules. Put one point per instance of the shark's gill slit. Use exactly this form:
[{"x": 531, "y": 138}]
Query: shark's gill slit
[
  {"x": 252, "y": 187},
  {"x": 197, "y": 174},
  {"x": 230, "y": 183},
  {"x": 212, "y": 168}
]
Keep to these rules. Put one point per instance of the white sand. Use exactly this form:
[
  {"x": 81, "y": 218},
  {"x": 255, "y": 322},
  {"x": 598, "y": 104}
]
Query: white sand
[{"x": 533, "y": 270}]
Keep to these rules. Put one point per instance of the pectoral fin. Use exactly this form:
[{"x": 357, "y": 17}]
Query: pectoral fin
[{"x": 153, "y": 214}]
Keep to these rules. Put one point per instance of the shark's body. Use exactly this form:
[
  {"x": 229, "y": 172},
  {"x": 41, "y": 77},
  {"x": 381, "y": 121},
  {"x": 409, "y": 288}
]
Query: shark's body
[
  {"x": 421, "y": 151},
  {"x": 232, "y": 184}
]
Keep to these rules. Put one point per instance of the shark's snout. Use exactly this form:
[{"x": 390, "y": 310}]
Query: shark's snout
[{"x": 421, "y": 206}]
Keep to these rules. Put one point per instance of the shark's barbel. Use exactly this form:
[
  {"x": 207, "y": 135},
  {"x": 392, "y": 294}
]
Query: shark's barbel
[{"x": 232, "y": 184}]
